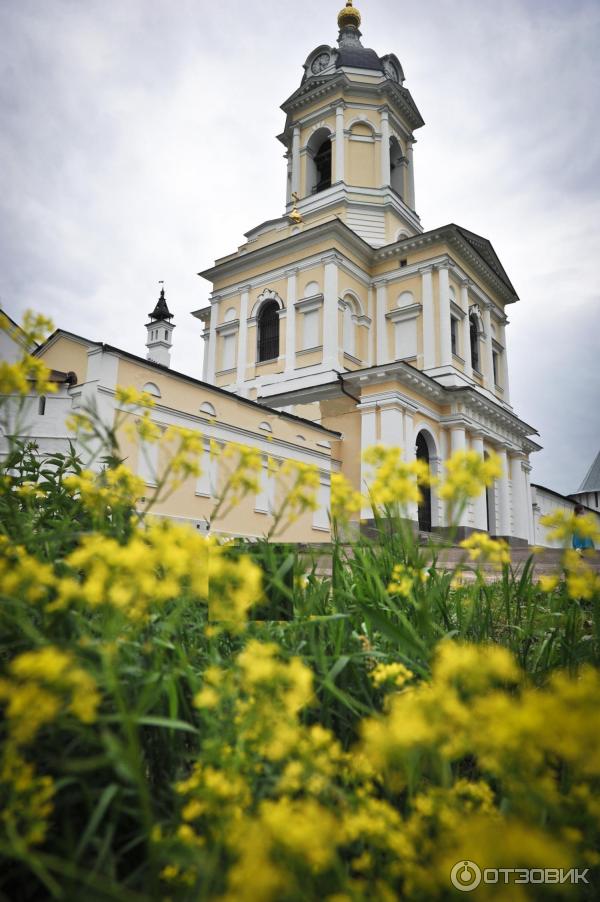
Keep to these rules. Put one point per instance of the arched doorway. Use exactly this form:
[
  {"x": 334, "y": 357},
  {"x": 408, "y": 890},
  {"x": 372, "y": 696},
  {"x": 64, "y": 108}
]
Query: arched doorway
[{"x": 424, "y": 508}]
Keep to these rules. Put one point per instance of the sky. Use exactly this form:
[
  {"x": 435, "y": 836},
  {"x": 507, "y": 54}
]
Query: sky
[{"x": 137, "y": 143}]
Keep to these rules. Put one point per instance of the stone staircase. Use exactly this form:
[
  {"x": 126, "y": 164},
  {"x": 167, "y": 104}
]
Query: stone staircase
[{"x": 545, "y": 562}]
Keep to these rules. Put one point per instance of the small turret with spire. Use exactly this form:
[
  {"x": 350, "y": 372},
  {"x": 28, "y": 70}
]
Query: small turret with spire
[{"x": 160, "y": 332}]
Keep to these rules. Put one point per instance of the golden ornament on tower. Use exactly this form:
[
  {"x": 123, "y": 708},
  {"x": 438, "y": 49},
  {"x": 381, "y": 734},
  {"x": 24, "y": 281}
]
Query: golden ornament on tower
[{"x": 349, "y": 16}]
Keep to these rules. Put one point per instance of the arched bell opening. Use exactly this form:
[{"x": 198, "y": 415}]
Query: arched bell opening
[
  {"x": 318, "y": 161},
  {"x": 396, "y": 167}
]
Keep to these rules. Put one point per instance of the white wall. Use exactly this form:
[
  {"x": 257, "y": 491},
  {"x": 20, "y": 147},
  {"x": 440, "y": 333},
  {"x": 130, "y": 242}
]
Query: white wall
[{"x": 546, "y": 502}]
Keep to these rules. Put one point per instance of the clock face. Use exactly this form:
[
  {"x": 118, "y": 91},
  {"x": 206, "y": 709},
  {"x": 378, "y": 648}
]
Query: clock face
[
  {"x": 319, "y": 63},
  {"x": 390, "y": 70}
]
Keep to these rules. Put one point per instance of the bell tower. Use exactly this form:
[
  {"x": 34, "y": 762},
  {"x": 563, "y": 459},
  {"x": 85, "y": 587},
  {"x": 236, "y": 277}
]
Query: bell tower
[
  {"x": 349, "y": 139},
  {"x": 159, "y": 330}
]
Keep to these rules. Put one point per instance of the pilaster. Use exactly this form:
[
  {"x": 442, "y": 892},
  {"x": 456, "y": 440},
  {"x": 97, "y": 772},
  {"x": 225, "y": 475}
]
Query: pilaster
[
  {"x": 488, "y": 364},
  {"x": 243, "y": 337},
  {"x": 519, "y": 500},
  {"x": 410, "y": 199},
  {"x": 385, "y": 149},
  {"x": 330, "y": 313},
  {"x": 428, "y": 318},
  {"x": 212, "y": 341},
  {"x": 368, "y": 438},
  {"x": 339, "y": 144},
  {"x": 503, "y": 495},
  {"x": 290, "y": 321},
  {"x": 445, "y": 337},
  {"x": 466, "y": 328},
  {"x": 296, "y": 160},
  {"x": 480, "y": 503},
  {"x": 381, "y": 309}
]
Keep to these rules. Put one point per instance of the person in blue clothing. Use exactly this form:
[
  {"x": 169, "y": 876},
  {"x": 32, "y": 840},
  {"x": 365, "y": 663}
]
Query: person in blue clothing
[{"x": 581, "y": 543}]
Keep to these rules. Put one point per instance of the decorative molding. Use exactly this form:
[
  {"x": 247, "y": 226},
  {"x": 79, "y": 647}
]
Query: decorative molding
[
  {"x": 306, "y": 305},
  {"x": 267, "y": 295},
  {"x": 400, "y": 314},
  {"x": 228, "y": 328}
]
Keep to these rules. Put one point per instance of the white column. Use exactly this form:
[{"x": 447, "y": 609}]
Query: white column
[
  {"x": 409, "y": 436},
  {"x": 410, "y": 199},
  {"x": 243, "y": 337},
  {"x": 371, "y": 331},
  {"x": 339, "y": 144},
  {"x": 290, "y": 321},
  {"x": 504, "y": 363},
  {"x": 480, "y": 503},
  {"x": 529, "y": 502},
  {"x": 445, "y": 337},
  {"x": 330, "y": 315},
  {"x": 458, "y": 442},
  {"x": 205, "y": 358},
  {"x": 428, "y": 320},
  {"x": 503, "y": 496},
  {"x": 212, "y": 340},
  {"x": 488, "y": 364},
  {"x": 386, "y": 174},
  {"x": 296, "y": 160},
  {"x": 392, "y": 429},
  {"x": 368, "y": 438},
  {"x": 410, "y": 455},
  {"x": 381, "y": 310},
  {"x": 520, "y": 529},
  {"x": 466, "y": 329},
  {"x": 288, "y": 178}
]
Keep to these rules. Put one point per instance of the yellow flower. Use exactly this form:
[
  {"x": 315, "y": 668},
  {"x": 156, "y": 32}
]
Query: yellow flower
[
  {"x": 582, "y": 581},
  {"x": 394, "y": 673},
  {"x": 562, "y": 525},
  {"x": 405, "y": 578},
  {"x": 134, "y": 397},
  {"x": 345, "y": 501},
  {"x": 206, "y": 698},
  {"x": 393, "y": 480},
  {"x": 467, "y": 475},
  {"x": 548, "y": 583},
  {"x": 482, "y": 547}
]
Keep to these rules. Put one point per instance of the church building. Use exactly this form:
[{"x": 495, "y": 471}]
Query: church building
[
  {"x": 337, "y": 325},
  {"x": 344, "y": 311}
]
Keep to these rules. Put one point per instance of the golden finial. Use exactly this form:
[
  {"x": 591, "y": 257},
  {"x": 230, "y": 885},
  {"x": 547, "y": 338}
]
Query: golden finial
[
  {"x": 349, "y": 16},
  {"x": 295, "y": 215}
]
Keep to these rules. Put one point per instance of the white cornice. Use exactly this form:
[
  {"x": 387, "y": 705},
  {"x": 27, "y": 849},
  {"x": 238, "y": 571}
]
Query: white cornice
[
  {"x": 400, "y": 314},
  {"x": 306, "y": 305}
]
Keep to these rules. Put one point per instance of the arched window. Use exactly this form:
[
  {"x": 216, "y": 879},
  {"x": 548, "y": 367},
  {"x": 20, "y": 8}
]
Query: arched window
[
  {"x": 396, "y": 167},
  {"x": 152, "y": 389},
  {"x": 349, "y": 335},
  {"x": 323, "y": 166},
  {"x": 268, "y": 331},
  {"x": 474, "y": 336},
  {"x": 318, "y": 161}
]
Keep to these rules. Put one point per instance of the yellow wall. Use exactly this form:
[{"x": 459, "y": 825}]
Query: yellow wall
[{"x": 67, "y": 354}]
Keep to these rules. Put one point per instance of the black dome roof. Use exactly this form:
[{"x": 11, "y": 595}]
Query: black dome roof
[{"x": 358, "y": 57}]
